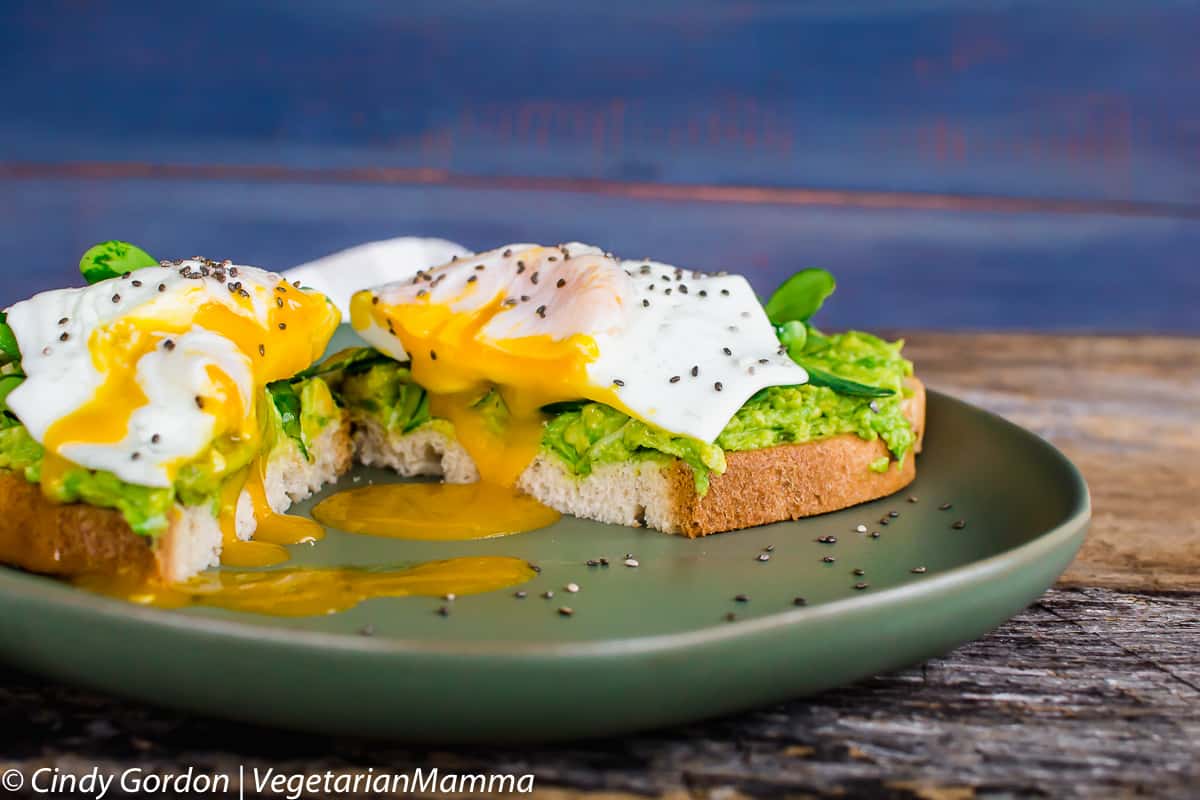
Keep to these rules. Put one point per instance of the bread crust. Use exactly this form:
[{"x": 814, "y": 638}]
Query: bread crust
[
  {"x": 39, "y": 535},
  {"x": 788, "y": 482}
]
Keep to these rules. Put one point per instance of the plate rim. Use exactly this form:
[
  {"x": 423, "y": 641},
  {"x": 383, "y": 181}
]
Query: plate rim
[{"x": 48, "y": 591}]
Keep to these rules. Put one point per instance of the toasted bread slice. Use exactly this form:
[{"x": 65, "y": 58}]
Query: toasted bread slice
[
  {"x": 758, "y": 486},
  {"x": 76, "y": 539}
]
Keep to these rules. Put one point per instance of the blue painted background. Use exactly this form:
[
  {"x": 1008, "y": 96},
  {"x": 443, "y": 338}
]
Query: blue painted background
[{"x": 1016, "y": 165}]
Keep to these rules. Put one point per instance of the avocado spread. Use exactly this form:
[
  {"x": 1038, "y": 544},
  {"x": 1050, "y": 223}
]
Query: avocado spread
[
  {"x": 147, "y": 509},
  {"x": 584, "y": 434}
]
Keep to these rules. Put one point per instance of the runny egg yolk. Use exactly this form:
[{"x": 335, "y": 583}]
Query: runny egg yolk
[
  {"x": 300, "y": 592},
  {"x": 457, "y": 366},
  {"x": 443, "y": 511}
]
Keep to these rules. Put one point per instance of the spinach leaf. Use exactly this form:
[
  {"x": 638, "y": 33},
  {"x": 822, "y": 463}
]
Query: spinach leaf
[
  {"x": 354, "y": 359},
  {"x": 112, "y": 259},
  {"x": 819, "y": 377},
  {"x": 287, "y": 402},
  {"x": 800, "y": 296},
  {"x": 9, "y": 352}
]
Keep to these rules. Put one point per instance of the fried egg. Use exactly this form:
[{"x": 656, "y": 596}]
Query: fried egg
[
  {"x": 138, "y": 375},
  {"x": 676, "y": 349}
]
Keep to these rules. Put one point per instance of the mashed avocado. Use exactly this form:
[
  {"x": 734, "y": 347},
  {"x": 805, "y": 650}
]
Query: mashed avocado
[
  {"x": 386, "y": 391},
  {"x": 147, "y": 509}
]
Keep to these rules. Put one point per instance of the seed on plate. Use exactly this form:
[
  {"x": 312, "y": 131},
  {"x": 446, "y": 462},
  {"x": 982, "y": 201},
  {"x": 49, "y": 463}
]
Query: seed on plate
[
  {"x": 742, "y": 598},
  {"x": 893, "y": 514},
  {"x": 912, "y": 498},
  {"x": 861, "y": 528},
  {"x": 945, "y": 507},
  {"x": 604, "y": 562},
  {"x": 828, "y": 559},
  {"x": 367, "y": 630},
  {"x": 770, "y": 548},
  {"x": 860, "y": 571},
  {"x": 827, "y": 539},
  {"x": 520, "y": 595},
  {"x": 443, "y": 611},
  {"x": 572, "y": 587},
  {"x": 799, "y": 601},
  {"x": 763, "y": 557},
  {"x": 884, "y": 521},
  {"x": 547, "y": 594},
  {"x": 875, "y": 534},
  {"x": 565, "y": 611},
  {"x": 535, "y": 568},
  {"x": 730, "y": 617},
  {"x": 959, "y": 524},
  {"x": 591, "y": 562},
  {"x": 631, "y": 562},
  {"x": 861, "y": 586},
  {"x": 918, "y": 570}
]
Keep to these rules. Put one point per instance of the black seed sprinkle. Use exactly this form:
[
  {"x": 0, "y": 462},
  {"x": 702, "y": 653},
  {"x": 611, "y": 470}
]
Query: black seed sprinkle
[
  {"x": 893, "y": 514},
  {"x": 64, "y": 336},
  {"x": 944, "y": 507},
  {"x": 561, "y": 282},
  {"x": 730, "y": 617},
  {"x": 199, "y": 401},
  {"x": 533, "y": 278},
  {"x": 742, "y": 598},
  {"x": 645, "y": 303},
  {"x": 668, "y": 291},
  {"x": 799, "y": 601},
  {"x": 861, "y": 586},
  {"x": 565, "y": 611},
  {"x": 472, "y": 279},
  {"x": 875, "y": 534},
  {"x": 135, "y": 455},
  {"x": 682, "y": 289},
  {"x": 828, "y": 559},
  {"x": 137, "y": 283},
  {"x": 763, "y": 557},
  {"x": 959, "y": 524},
  {"x": 169, "y": 344},
  {"x": 155, "y": 439},
  {"x": 524, "y": 298},
  {"x": 618, "y": 382},
  {"x": 433, "y": 355},
  {"x": 283, "y": 326},
  {"x": 912, "y": 498},
  {"x": 262, "y": 349},
  {"x": 726, "y": 351},
  {"x": 480, "y": 267},
  {"x": 547, "y": 594},
  {"x": 718, "y": 386},
  {"x": 674, "y": 379},
  {"x": 294, "y": 283},
  {"x": 860, "y": 571},
  {"x": 884, "y": 521},
  {"x": 520, "y": 595},
  {"x": 279, "y": 301},
  {"x": 591, "y": 562},
  {"x": 725, "y": 292},
  {"x": 918, "y": 570},
  {"x": 695, "y": 370},
  {"x": 507, "y": 253},
  {"x": 535, "y": 568},
  {"x": 604, "y": 562},
  {"x": 422, "y": 292},
  {"x": 770, "y": 548},
  {"x": 46, "y": 350},
  {"x": 116, "y": 298},
  {"x": 827, "y": 539},
  {"x": 374, "y": 300},
  {"x": 552, "y": 258},
  {"x": 541, "y": 311},
  {"x": 443, "y": 611},
  {"x": 63, "y": 321},
  {"x": 651, "y": 287},
  {"x": 703, "y": 293}
]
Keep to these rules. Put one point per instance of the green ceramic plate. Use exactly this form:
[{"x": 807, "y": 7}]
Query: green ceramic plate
[{"x": 646, "y": 647}]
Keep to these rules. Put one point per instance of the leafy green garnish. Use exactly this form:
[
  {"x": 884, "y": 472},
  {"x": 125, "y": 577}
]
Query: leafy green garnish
[
  {"x": 287, "y": 403},
  {"x": 352, "y": 359},
  {"x": 790, "y": 308},
  {"x": 9, "y": 352},
  {"x": 800, "y": 296},
  {"x": 113, "y": 259}
]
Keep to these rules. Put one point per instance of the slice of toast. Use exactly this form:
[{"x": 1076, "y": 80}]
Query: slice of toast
[
  {"x": 758, "y": 486},
  {"x": 72, "y": 539}
]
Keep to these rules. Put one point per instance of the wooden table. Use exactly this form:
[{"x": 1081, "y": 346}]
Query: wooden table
[{"x": 1093, "y": 691}]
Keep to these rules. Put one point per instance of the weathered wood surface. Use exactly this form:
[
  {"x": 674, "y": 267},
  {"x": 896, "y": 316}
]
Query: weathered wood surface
[
  {"x": 1127, "y": 412},
  {"x": 1092, "y": 692}
]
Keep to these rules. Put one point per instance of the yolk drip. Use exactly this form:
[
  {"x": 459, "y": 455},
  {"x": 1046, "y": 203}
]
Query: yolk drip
[
  {"x": 434, "y": 511},
  {"x": 301, "y": 592},
  {"x": 273, "y": 527},
  {"x": 281, "y": 337},
  {"x": 458, "y": 365},
  {"x": 234, "y": 551}
]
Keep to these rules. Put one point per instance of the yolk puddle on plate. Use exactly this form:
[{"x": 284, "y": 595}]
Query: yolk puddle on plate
[
  {"x": 446, "y": 511},
  {"x": 304, "y": 591}
]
